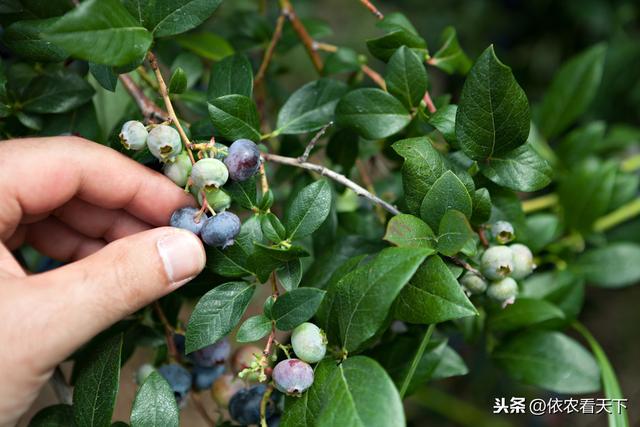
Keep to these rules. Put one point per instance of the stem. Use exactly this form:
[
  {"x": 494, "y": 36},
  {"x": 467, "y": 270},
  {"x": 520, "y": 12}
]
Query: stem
[
  {"x": 313, "y": 142},
  {"x": 195, "y": 397},
  {"x": 60, "y": 386},
  {"x": 631, "y": 164},
  {"x": 483, "y": 237},
  {"x": 303, "y": 34},
  {"x": 147, "y": 107},
  {"x": 620, "y": 215},
  {"x": 168, "y": 331},
  {"x": 360, "y": 191},
  {"x": 147, "y": 78},
  {"x": 464, "y": 264},
  {"x": 268, "y": 54},
  {"x": 375, "y": 76},
  {"x": 372, "y": 9},
  {"x": 416, "y": 359},
  {"x": 540, "y": 203},
  {"x": 427, "y": 100},
  {"x": 263, "y": 406}
]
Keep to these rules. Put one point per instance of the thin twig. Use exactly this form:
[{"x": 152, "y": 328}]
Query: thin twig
[
  {"x": 372, "y": 8},
  {"x": 142, "y": 72},
  {"x": 483, "y": 237},
  {"x": 539, "y": 203},
  {"x": 427, "y": 100},
  {"x": 303, "y": 34},
  {"x": 168, "y": 331},
  {"x": 264, "y": 182},
  {"x": 263, "y": 406},
  {"x": 360, "y": 191},
  {"x": 60, "y": 386},
  {"x": 375, "y": 76},
  {"x": 148, "y": 108},
  {"x": 268, "y": 54},
  {"x": 195, "y": 397},
  {"x": 464, "y": 264},
  {"x": 313, "y": 142}
]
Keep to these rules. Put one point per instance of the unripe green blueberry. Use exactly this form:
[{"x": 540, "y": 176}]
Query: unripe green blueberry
[
  {"x": 143, "y": 372},
  {"x": 178, "y": 171},
  {"x": 133, "y": 135},
  {"x": 503, "y": 232},
  {"x": 473, "y": 283},
  {"x": 217, "y": 199},
  {"x": 309, "y": 342},
  {"x": 209, "y": 174},
  {"x": 504, "y": 290},
  {"x": 522, "y": 261},
  {"x": 497, "y": 262},
  {"x": 164, "y": 143}
]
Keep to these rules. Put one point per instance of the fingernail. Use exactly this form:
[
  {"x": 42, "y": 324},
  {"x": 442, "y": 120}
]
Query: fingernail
[{"x": 182, "y": 256}]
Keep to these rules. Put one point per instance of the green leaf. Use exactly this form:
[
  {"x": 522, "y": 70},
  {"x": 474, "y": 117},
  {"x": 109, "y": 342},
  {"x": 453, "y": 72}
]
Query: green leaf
[
  {"x": 234, "y": 261},
  {"x": 453, "y": 233},
  {"x": 155, "y": 405},
  {"x": 614, "y": 266},
  {"x": 235, "y": 117},
  {"x": 523, "y": 313},
  {"x": 396, "y": 21},
  {"x": 54, "y": 416},
  {"x": 422, "y": 167},
  {"x": 384, "y": 47},
  {"x": 406, "y": 77},
  {"x": 361, "y": 300},
  {"x": 272, "y": 228},
  {"x": 446, "y": 193},
  {"x": 543, "y": 229},
  {"x": 178, "y": 81},
  {"x": 341, "y": 61},
  {"x": 101, "y": 31},
  {"x": 96, "y": 387},
  {"x": 295, "y": 307},
  {"x": 373, "y": 113},
  {"x": 562, "y": 288},
  {"x": 406, "y": 230},
  {"x": 206, "y": 45},
  {"x": 170, "y": 17},
  {"x": 217, "y": 313},
  {"x": 433, "y": 295},
  {"x": 481, "y": 206},
  {"x": 290, "y": 274},
  {"x": 308, "y": 210},
  {"x": 57, "y": 92},
  {"x": 521, "y": 170},
  {"x": 344, "y": 395},
  {"x": 493, "y": 114},
  {"x": 24, "y": 38},
  {"x": 244, "y": 193},
  {"x": 310, "y": 108},
  {"x": 104, "y": 75},
  {"x": 450, "y": 58},
  {"x": 571, "y": 91},
  {"x": 550, "y": 360},
  {"x": 266, "y": 259},
  {"x": 444, "y": 119},
  {"x": 254, "y": 328},
  {"x": 231, "y": 76}
]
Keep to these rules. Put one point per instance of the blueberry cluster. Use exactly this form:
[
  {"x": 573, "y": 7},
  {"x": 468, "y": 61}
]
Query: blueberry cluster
[
  {"x": 206, "y": 177},
  {"x": 502, "y": 265}
]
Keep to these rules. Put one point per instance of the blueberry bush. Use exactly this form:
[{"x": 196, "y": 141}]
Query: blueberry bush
[{"x": 367, "y": 218}]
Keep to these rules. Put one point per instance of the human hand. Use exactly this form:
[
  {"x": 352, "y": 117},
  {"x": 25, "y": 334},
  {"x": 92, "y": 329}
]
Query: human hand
[{"x": 77, "y": 201}]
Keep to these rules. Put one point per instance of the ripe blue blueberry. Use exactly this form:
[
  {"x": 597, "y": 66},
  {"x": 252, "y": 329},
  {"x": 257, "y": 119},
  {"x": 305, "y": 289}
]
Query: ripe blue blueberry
[
  {"x": 503, "y": 232},
  {"x": 133, "y": 135},
  {"x": 244, "y": 406},
  {"x": 473, "y": 283},
  {"x": 522, "y": 261},
  {"x": 309, "y": 342},
  {"x": 292, "y": 376},
  {"x": 504, "y": 290},
  {"x": 497, "y": 262},
  {"x": 186, "y": 218},
  {"x": 179, "y": 341},
  {"x": 209, "y": 174},
  {"x": 225, "y": 387},
  {"x": 164, "y": 143},
  {"x": 212, "y": 355},
  {"x": 143, "y": 372},
  {"x": 243, "y": 160},
  {"x": 221, "y": 230},
  {"x": 179, "y": 380},
  {"x": 203, "y": 378},
  {"x": 217, "y": 199},
  {"x": 178, "y": 171},
  {"x": 273, "y": 421}
]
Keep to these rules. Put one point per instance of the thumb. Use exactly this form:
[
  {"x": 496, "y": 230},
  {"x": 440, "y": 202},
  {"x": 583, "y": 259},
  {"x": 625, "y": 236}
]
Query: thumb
[{"x": 79, "y": 300}]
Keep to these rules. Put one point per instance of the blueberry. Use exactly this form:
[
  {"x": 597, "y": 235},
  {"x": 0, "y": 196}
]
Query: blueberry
[
  {"x": 217, "y": 199},
  {"x": 209, "y": 174},
  {"x": 224, "y": 388},
  {"x": 497, "y": 262},
  {"x": 244, "y": 356},
  {"x": 243, "y": 160},
  {"x": 309, "y": 342},
  {"x": 292, "y": 376},
  {"x": 473, "y": 283},
  {"x": 185, "y": 218},
  {"x": 179, "y": 341},
  {"x": 178, "y": 171},
  {"x": 133, "y": 135},
  {"x": 164, "y": 143},
  {"x": 179, "y": 380},
  {"x": 522, "y": 261},
  {"x": 273, "y": 421},
  {"x": 504, "y": 290},
  {"x": 503, "y": 232},
  {"x": 221, "y": 230},
  {"x": 203, "y": 378},
  {"x": 212, "y": 355},
  {"x": 143, "y": 372},
  {"x": 244, "y": 406}
]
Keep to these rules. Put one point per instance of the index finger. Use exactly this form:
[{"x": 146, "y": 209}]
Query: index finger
[{"x": 38, "y": 175}]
